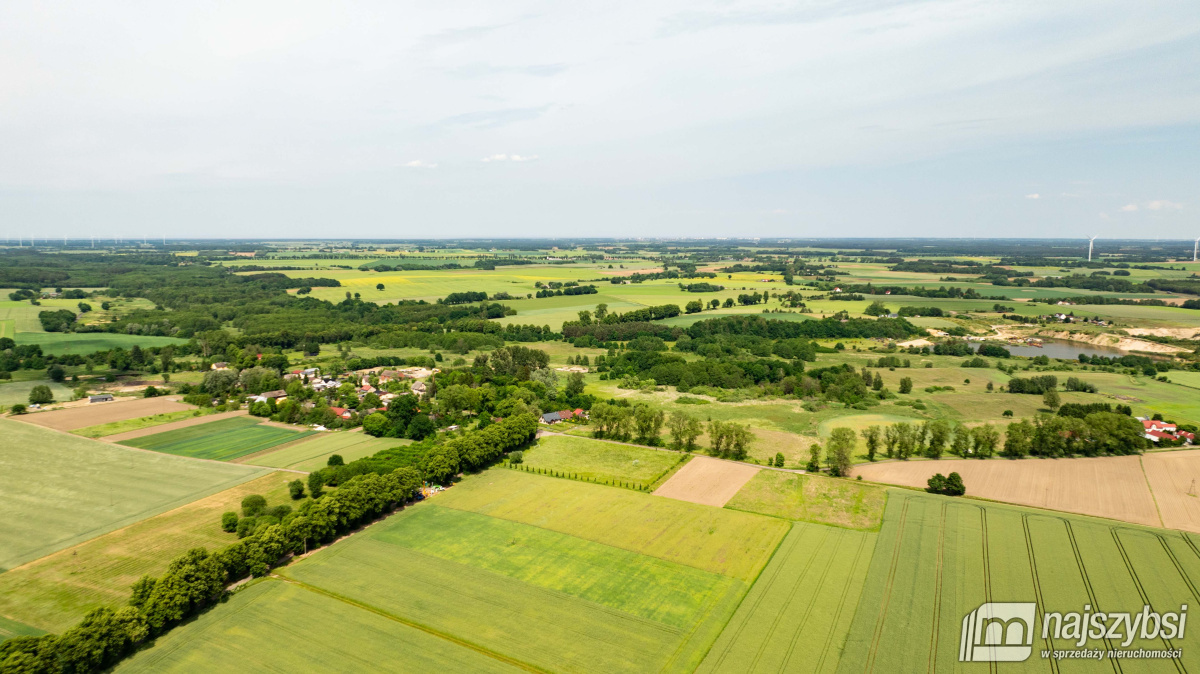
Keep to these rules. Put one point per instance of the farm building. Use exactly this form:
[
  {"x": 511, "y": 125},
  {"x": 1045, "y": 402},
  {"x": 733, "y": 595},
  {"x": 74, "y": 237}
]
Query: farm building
[
  {"x": 220, "y": 366},
  {"x": 101, "y": 398}
]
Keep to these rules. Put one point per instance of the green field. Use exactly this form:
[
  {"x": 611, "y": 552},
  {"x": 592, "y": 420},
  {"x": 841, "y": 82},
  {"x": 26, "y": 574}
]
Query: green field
[
  {"x": 313, "y": 453},
  {"x": 12, "y": 628},
  {"x": 125, "y": 425},
  {"x": 812, "y": 498},
  {"x": 278, "y": 626},
  {"x": 8, "y": 328},
  {"x": 56, "y": 591},
  {"x": 83, "y": 343},
  {"x": 796, "y": 617},
  {"x": 15, "y": 392},
  {"x": 222, "y": 440},
  {"x": 937, "y": 559},
  {"x": 601, "y": 461},
  {"x": 71, "y": 489},
  {"x": 721, "y": 541}
]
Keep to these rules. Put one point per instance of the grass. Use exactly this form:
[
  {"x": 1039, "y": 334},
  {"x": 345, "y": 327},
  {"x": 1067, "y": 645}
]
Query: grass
[
  {"x": 222, "y": 440},
  {"x": 937, "y": 559},
  {"x": 12, "y": 628},
  {"x": 83, "y": 343},
  {"x": 278, "y": 626},
  {"x": 713, "y": 539},
  {"x": 14, "y": 392},
  {"x": 797, "y": 615},
  {"x": 812, "y": 498},
  {"x": 71, "y": 489},
  {"x": 56, "y": 591},
  {"x": 313, "y": 454},
  {"x": 596, "y": 460},
  {"x": 115, "y": 427},
  {"x": 548, "y": 599},
  {"x": 8, "y": 328}
]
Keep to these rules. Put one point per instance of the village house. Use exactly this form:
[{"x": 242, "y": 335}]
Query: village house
[
  {"x": 277, "y": 396},
  {"x": 220, "y": 366},
  {"x": 342, "y": 412}
]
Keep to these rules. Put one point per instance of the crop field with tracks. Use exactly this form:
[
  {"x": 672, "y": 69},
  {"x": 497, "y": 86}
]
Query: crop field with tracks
[
  {"x": 221, "y": 440},
  {"x": 72, "y": 489},
  {"x": 314, "y": 452},
  {"x": 937, "y": 559}
]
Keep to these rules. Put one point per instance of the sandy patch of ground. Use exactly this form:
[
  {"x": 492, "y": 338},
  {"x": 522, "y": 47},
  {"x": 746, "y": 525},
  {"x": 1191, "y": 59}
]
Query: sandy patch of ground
[
  {"x": 92, "y": 414},
  {"x": 1115, "y": 341},
  {"x": 707, "y": 481},
  {"x": 1172, "y": 475},
  {"x": 174, "y": 425},
  {"x": 1112, "y": 487},
  {"x": 1180, "y": 333}
]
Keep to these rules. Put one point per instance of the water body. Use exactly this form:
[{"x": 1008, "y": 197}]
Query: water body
[{"x": 1055, "y": 348}]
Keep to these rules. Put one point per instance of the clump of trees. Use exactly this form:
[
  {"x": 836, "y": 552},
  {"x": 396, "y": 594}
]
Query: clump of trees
[{"x": 949, "y": 485}]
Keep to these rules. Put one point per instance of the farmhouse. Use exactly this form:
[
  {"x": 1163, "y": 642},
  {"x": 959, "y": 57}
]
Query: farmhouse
[
  {"x": 341, "y": 412},
  {"x": 419, "y": 388},
  {"x": 101, "y": 398},
  {"x": 1157, "y": 431},
  {"x": 277, "y": 396},
  {"x": 220, "y": 366}
]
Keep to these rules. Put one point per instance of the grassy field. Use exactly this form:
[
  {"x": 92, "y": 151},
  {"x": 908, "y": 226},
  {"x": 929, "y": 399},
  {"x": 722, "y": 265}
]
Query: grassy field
[
  {"x": 713, "y": 539},
  {"x": 12, "y": 628},
  {"x": 938, "y": 559},
  {"x": 278, "y": 626},
  {"x": 8, "y": 328},
  {"x": 222, "y": 440},
  {"x": 314, "y": 453},
  {"x": 57, "y": 590},
  {"x": 796, "y": 617},
  {"x": 17, "y": 392},
  {"x": 71, "y": 489},
  {"x": 115, "y": 427},
  {"x": 812, "y": 498},
  {"x": 593, "y": 459},
  {"x": 83, "y": 343},
  {"x": 552, "y": 600}
]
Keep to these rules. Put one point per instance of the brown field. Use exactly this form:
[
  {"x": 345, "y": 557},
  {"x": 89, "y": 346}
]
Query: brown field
[
  {"x": 707, "y": 481},
  {"x": 174, "y": 425},
  {"x": 94, "y": 414},
  {"x": 1172, "y": 475},
  {"x": 57, "y": 590},
  {"x": 1112, "y": 487}
]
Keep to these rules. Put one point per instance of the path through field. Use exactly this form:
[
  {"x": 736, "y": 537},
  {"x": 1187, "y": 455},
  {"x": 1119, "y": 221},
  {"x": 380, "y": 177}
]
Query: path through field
[{"x": 707, "y": 481}]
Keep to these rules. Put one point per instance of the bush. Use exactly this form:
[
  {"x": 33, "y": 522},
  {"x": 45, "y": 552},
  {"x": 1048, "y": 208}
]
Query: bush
[
  {"x": 18, "y": 409},
  {"x": 253, "y": 504},
  {"x": 949, "y": 485},
  {"x": 335, "y": 460},
  {"x": 516, "y": 457},
  {"x": 315, "y": 482},
  {"x": 151, "y": 392},
  {"x": 779, "y": 459},
  {"x": 296, "y": 489},
  {"x": 40, "y": 395},
  {"x": 245, "y": 526},
  {"x": 229, "y": 522}
]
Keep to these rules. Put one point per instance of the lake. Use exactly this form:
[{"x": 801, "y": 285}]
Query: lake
[{"x": 1054, "y": 348}]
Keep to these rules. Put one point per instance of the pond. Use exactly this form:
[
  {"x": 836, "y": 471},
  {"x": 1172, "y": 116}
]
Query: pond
[{"x": 1056, "y": 348}]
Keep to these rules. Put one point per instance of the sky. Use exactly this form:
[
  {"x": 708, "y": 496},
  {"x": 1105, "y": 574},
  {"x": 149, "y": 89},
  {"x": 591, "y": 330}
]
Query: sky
[{"x": 653, "y": 119}]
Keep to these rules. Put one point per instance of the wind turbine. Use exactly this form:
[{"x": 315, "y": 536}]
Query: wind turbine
[
  {"x": 1090, "y": 242},
  {"x": 1195, "y": 249}
]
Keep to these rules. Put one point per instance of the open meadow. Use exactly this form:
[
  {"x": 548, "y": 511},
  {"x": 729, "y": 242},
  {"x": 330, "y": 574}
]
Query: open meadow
[
  {"x": 812, "y": 498},
  {"x": 937, "y": 559},
  {"x": 222, "y": 440},
  {"x": 71, "y": 489},
  {"x": 55, "y": 591},
  {"x": 600, "y": 461},
  {"x": 314, "y": 452}
]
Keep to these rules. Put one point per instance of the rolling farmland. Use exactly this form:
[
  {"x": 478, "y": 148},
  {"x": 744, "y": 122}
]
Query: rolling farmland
[
  {"x": 55, "y": 591},
  {"x": 708, "y": 481},
  {"x": 812, "y": 498},
  {"x": 103, "y": 413},
  {"x": 222, "y": 440},
  {"x": 796, "y": 616},
  {"x": 596, "y": 460},
  {"x": 938, "y": 559},
  {"x": 72, "y": 489},
  {"x": 314, "y": 452}
]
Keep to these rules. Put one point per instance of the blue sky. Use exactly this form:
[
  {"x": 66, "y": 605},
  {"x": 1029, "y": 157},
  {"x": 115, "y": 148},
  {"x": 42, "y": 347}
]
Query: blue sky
[{"x": 838, "y": 118}]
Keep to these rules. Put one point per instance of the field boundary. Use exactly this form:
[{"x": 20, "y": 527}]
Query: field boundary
[{"x": 171, "y": 426}]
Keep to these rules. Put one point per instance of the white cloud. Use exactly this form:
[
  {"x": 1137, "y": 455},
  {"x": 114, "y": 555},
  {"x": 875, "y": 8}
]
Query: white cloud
[
  {"x": 530, "y": 157},
  {"x": 495, "y": 157},
  {"x": 1104, "y": 216},
  {"x": 420, "y": 163},
  {"x": 1035, "y": 195},
  {"x": 1163, "y": 205},
  {"x": 1129, "y": 208}
]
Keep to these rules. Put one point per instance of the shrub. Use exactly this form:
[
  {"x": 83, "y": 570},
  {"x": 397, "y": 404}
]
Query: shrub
[
  {"x": 253, "y": 505},
  {"x": 779, "y": 459},
  {"x": 296, "y": 489},
  {"x": 335, "y": 460},
  {"x": 949, "y": 485},
  {"x": 516, "y": 457},
  {"x": 18, "y": 409},
  {"x": 40, "y": 395},
  {"x": 229, "y": 522}
]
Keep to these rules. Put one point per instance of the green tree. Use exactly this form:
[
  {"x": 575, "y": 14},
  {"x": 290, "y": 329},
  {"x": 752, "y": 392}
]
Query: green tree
[
  {"x": 229, "y": 522},
  {"x": 335, "y": 460},
  {"x": 871, "y": 435},
  {"x": 814, "y": 458},
  {"x": 315, "y": 483},
  {"x": 985, "y": 438},
  {"x": 376, "y": 425},
  {"x": 253, "y": 504},
  {"x": 1018, "y": 439},
  {"x": 877, "y": 382},
  {"x": 779, "y": 459},
  {"x": 647, "y": 423},
  {"x": 938, "y": 434},
  {"x": 1050, "y": 399},
  {"x": 840, "y": 452},
  {"x": 906, "y": 385},
  {"x": 40, "y": 395},
  {"x": 575, "y": 385},
  {"x": 693, "y": 307},
  {"x": 379, "y": 286},
  {"x": 890, "y": 439},
  {"x": 296, "y": 489},
  {"x": 56, "y": 373},
  {"x": 876, "y": 308}
]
